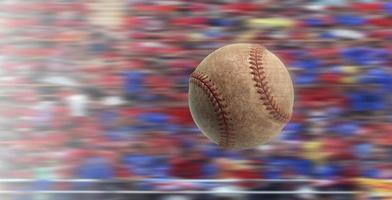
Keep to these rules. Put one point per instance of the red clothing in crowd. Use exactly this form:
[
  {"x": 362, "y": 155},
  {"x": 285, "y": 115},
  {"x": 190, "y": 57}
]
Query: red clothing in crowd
[
  {"x": 186, "y": 168},
  {"x": 332, "y": 78},
  {"x": 122, "y": 172},
  {"x": 60, "y": 117},
  {"x": 111, "y": 80},
  {"x": 158, "y": 83},
  {"x": 134, "y": 21},
  {"x": 318, "y": 96},
  {"x": 385, "y": 22},
  {"x": 187, "y": 21},
  {"x": 247, "y": 174},
  {"x": 368, "y": 7},
  {"x": 324, "y": 52},
  {"x": 241, "y": 7},
  {"x": 197, "y": 7},
  {"x": 337, "y": 148},
  {"x": 380, "y": 33},
  {"x": 180, "y": 115}
]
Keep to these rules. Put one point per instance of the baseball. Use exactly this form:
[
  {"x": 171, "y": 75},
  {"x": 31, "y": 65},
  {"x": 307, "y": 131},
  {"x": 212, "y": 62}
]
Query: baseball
[{"x": 241, "y": 96}]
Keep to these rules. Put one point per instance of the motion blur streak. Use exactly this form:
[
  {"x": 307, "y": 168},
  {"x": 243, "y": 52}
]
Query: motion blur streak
[{"x": 97, "y": 89}]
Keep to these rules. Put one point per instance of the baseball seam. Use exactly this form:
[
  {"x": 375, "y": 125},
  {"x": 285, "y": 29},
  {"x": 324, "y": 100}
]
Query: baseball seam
[
  {"x": 220, "y": 107},
  {"x": 262, "y": 86}
]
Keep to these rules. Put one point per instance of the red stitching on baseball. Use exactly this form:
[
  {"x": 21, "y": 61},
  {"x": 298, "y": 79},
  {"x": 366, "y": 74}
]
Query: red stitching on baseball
[
  {"x": 226, "y": 137},
  {"x": 262, "y": 87}
]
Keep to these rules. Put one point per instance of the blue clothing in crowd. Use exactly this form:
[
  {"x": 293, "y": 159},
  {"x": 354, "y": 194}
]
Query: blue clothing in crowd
[
  {"x": 379, "y": 56},
  {"x": 293, "y": 131},
  {"x": 308, "y": 64},
  {"x": 279, "y": 165},
  {"x": 305, "y": 79},
  {"x": 108, "y": 117},
  {"x": 346, "y": 128},
  {"x": 210, "y": 170},
  {"x": 96, "y": 168},
  {"x": 363, "y": 150},
  {"x": 328, "y": 171},
  {"x": 221, "y": 22},
  {"x": 379, "y": 76},
  {"x": 313, "y": 21},
  {"x": 350, "y": 20},
  {"x": 388, "y": 8},
  {"x": 143, "y": 165},
  {"x": 370, "y": 172},
  {"x": 134, "y": 81},
  {"x": 367, "y": 101},
  {"x": 154, "y": 117},
  {"x": 357, "y": 55}
]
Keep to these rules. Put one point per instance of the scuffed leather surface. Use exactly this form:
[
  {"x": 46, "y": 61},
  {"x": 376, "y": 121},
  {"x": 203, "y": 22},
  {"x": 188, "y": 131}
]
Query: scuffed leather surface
[{"x": 203, "y": 113}]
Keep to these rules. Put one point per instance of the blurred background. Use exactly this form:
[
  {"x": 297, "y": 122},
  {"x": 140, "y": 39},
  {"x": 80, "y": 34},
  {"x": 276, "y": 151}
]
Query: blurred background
[{"x": 93, "y": 97}]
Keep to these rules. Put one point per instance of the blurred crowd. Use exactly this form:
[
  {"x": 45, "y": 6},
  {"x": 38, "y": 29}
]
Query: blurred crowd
[{"x": 98, "y": 90}]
